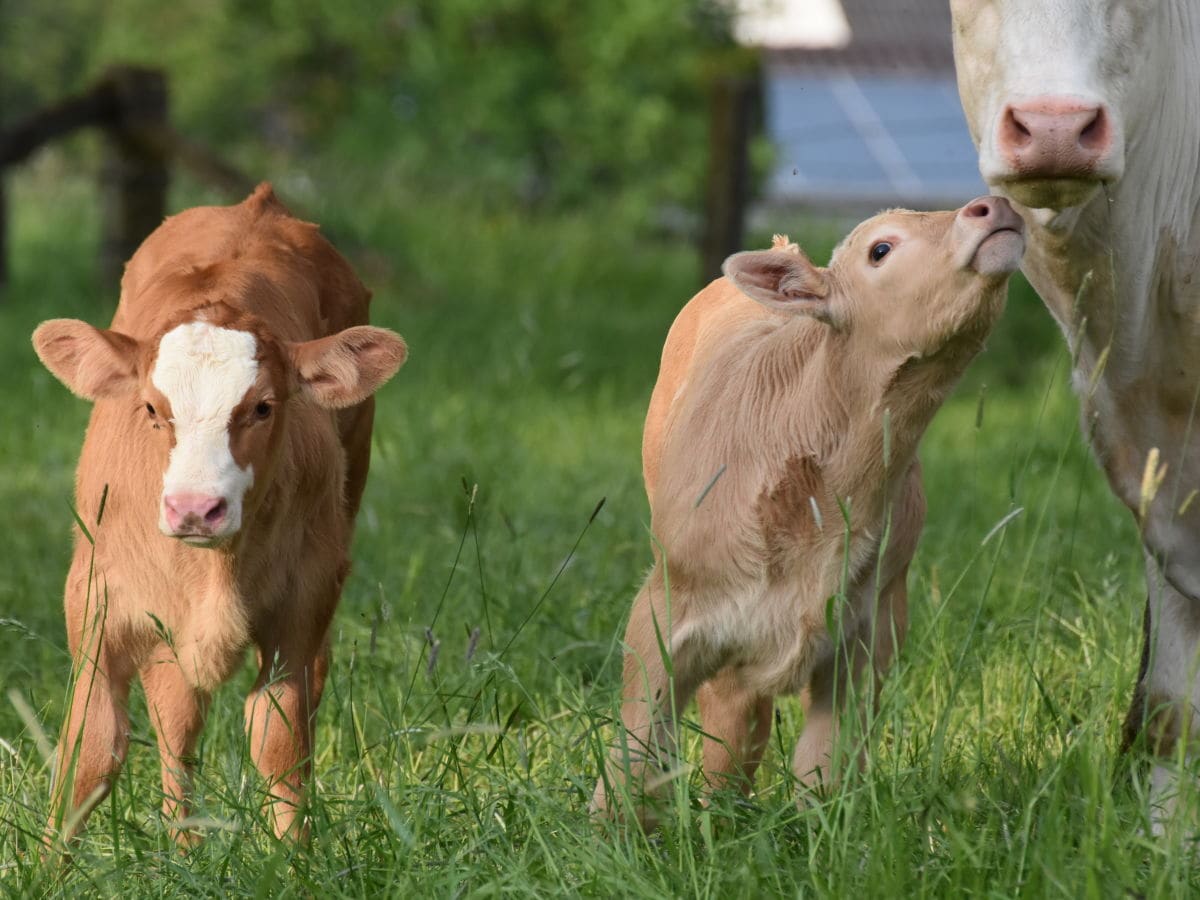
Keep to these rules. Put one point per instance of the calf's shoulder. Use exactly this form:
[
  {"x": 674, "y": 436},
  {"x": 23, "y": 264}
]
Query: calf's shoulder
[{"x": 715, "y": 311}]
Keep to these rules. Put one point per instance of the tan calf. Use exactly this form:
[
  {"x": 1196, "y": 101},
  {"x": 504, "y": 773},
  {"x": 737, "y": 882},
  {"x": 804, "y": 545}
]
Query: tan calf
[
  {"x": 223, "y": 466},
  {"x": 780, "y": 463}
]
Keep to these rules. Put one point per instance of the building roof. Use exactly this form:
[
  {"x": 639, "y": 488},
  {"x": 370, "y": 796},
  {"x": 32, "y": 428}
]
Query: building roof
[{"x": 884, "y": 36}]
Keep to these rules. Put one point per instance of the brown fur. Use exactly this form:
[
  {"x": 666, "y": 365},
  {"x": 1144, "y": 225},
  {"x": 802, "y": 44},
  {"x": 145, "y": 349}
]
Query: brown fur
[
  {"x": 181, "y": 617},
  {"x": 767, "y": 421}
]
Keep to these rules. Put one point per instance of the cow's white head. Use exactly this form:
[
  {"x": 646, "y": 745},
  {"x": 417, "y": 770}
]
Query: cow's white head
[
  {"x": 208, "y": 398},
  {"x": 1050, "y": 91}
]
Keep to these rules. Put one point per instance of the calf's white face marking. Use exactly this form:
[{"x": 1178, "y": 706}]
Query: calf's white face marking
[{"x": 204, "y": 371}]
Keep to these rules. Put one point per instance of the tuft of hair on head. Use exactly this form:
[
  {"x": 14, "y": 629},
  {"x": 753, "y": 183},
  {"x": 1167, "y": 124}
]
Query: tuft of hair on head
[
  {"x": 781, "y": 242},
  {"x": 262, "y": 199}
]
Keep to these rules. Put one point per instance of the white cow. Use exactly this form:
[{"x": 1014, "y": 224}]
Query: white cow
[{"x": 1087, "y": 115}]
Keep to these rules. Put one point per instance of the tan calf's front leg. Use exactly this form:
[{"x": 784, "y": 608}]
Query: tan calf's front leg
[
  {"x": 177, "y": 715},
  {"x": 878, "y": 641},
  {"x": 279, "y": 724},
  {"x": 652, "y": 697},
  {"x": 737, "y": 725}
]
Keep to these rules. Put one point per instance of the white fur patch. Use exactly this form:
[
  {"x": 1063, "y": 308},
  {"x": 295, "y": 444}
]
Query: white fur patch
[{"x": 205, "y": 371}]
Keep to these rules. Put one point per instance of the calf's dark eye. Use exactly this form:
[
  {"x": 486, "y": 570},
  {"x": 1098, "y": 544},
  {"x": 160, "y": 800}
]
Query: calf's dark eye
[
  {"x": 879, "y": 251},
  {"x": 150, "y": 410},
  {"x": 263, "y": 410}
]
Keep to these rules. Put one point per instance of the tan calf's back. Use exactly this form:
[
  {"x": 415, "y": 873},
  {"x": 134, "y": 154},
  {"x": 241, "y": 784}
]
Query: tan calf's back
[{"x": 718, "y": 309}]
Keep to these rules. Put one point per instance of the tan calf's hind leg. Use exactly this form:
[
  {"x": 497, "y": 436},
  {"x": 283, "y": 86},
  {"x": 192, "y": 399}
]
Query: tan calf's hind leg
[
  {"x": 877, "y": 643},
  {"x": 177, "y": 715},
  {"x": 279, "y": 723},
  {"x": 737, "y": 725},
  {"x": 647, "y": 746}
]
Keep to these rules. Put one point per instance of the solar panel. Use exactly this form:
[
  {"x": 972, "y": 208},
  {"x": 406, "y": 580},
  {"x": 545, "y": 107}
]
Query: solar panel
[{"x": 884, "y": 139}]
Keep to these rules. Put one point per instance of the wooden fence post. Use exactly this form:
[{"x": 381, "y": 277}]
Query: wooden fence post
[
  {"x": 733, "y": 110},
  {"x": 3, "y": 236},
  {"x": 135, "y": 174},
  {"x": 131, "y": 105}
]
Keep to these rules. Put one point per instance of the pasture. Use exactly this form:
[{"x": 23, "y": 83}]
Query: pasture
[{"x": 476, "y": 651}]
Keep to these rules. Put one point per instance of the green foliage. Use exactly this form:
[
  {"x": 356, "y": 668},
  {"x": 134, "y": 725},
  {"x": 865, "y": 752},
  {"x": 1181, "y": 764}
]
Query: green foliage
[{"x": 540, "y": 104}]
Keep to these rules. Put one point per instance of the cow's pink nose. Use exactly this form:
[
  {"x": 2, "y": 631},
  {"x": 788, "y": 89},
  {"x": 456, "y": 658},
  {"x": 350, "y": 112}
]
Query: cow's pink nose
[
  {"x": 194, "y": 513},
  {"x": 1055, "y": 137}
]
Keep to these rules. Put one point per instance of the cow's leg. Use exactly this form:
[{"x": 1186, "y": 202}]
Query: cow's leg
[
  {"x": 655, "y": 691},
  {"x": 1168, "y": 692},
  {"x": 737, "y": 724},
  {"x": 176, "y": 712},
  {"x": 279, "y": 723},
  {"x": 95, "y": 735},
  {"x": 1135, "y": 718},
  {"x": 870, "y": 650}
]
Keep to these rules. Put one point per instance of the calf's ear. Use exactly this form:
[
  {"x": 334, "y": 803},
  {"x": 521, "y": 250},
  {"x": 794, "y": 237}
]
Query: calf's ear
[
  {"x": 782, "y": 280},
  {"x": 348, "y": 367},
  {"x": 91, "y": 362}
]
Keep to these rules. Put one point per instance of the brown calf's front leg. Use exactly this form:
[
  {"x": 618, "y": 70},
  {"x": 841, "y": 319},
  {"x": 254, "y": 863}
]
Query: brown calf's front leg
[
  {"x": 94, "y": 740},
  {"x": 652, "y": 698},
  {"x": 737, "y": 725},
  {"x": 279, "y": 724},
  {"x": 177, "y": 712}
]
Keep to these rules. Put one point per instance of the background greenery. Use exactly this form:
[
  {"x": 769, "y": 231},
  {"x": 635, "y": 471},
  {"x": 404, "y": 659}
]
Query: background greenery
[{"x": 500, "y": 173}]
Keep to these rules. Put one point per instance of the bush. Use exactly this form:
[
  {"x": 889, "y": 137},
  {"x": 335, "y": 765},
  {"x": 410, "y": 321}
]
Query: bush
[{"x": 548, "y": 105}]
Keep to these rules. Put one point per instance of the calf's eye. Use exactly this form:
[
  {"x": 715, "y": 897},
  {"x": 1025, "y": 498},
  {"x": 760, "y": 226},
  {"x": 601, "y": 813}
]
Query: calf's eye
[
  {"x": 150, "y": 410},
  {"x": 262, "y": 411},
  {"x": 879, "y": 251}
]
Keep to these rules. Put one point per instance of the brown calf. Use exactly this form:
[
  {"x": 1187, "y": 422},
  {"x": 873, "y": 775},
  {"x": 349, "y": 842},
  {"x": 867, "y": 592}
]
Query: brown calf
[
  {"x": 770, "y": 419},
  {"x": 222, "y": 469}
]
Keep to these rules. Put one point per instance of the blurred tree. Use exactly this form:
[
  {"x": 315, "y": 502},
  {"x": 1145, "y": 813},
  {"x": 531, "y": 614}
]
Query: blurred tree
[{"x": 542, "y": 103}]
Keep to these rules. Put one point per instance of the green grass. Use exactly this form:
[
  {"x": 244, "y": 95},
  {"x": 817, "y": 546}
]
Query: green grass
[{"x": 534, "y": 346}]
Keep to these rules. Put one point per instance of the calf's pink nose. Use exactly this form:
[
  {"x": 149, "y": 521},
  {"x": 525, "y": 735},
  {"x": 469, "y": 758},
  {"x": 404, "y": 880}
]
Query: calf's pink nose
[
  {"x": 991, "y": 214},
  {"x": 1055, "y": 137},
  {"x": 194, "y": 512},
  {"x": 980, "y": 208}
]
